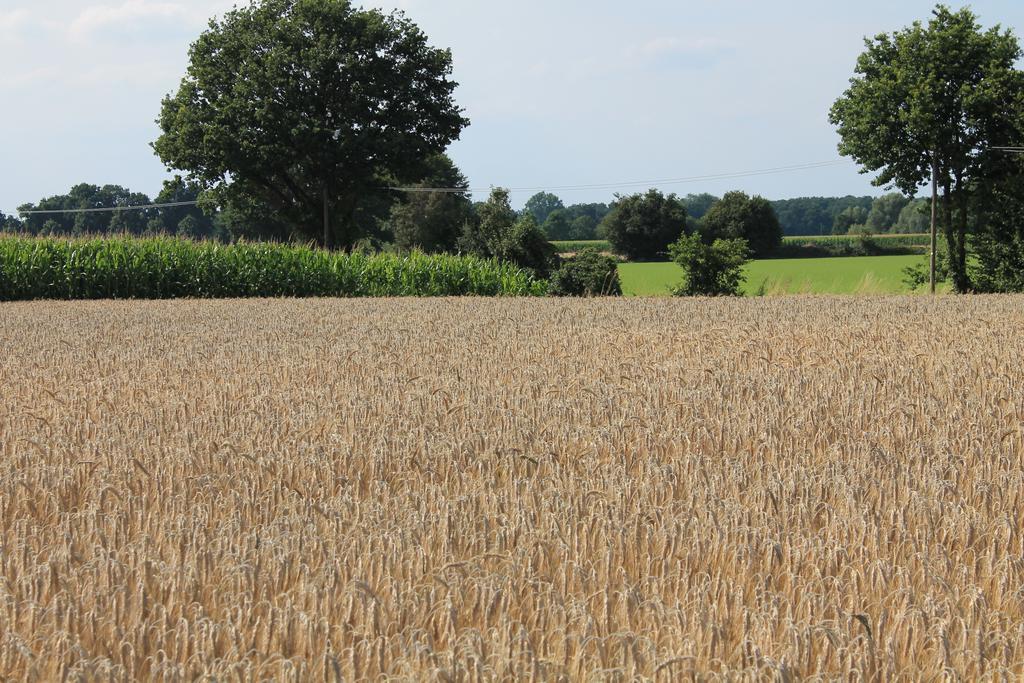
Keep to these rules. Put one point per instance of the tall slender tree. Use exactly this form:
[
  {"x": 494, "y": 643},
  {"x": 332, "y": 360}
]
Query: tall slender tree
[{"x": 934, "y": 97}]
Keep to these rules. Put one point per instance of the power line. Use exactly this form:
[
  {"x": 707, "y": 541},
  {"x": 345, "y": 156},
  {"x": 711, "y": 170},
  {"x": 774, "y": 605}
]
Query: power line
[
  {"x": 637, "y": 183},
  {"x": 463, "y": 190},
  {"x": 105, "y": 209}
]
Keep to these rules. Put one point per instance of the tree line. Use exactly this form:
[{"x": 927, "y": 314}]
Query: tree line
[
  {"x": 432, "y": 221},
  {"x": 334, "y": 131}
]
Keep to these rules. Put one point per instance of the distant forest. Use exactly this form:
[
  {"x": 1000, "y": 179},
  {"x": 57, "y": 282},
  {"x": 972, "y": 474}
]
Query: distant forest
[{"x": 799, "y": 216}]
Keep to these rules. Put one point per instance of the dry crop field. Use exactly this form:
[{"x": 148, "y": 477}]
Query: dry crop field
[{"x": 512, "y": 489}]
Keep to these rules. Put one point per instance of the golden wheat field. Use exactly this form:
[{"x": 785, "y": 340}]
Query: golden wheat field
[{"x": 466, "y": 490}]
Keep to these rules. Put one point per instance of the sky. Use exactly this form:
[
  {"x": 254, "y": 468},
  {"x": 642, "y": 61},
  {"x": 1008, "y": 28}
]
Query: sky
[{"x": 566, "y": 93}]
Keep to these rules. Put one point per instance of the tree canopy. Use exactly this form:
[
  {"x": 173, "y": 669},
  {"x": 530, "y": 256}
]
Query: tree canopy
[
  {"x": 87, "y": 196},
  {"x": 944, "y": 93},
  {"x": 432, "y": 221},
  {"x": 815, "y": 215},
  {"x": 497, "y": 231},
  {"x": 914, "y": 218},
  {"x": 885, "y": 212},
  {"x": 848, "y": 219},
  {"x": 641, "y": 226},
  {"x": 289, "y": 106},
  {"x": 739, "y": 216},
  {"x": 542, "y": 205}
]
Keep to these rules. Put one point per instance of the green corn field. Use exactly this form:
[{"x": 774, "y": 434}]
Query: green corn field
[{"x": 165, "y": 268}]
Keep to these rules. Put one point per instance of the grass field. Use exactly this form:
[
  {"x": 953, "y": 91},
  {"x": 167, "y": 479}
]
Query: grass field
[
  {"x": 849, "y": 275},
  {"x": 921, "y": 238},
  {"x": 508, "y": 489},
  {"x": 569, "y": 246}
]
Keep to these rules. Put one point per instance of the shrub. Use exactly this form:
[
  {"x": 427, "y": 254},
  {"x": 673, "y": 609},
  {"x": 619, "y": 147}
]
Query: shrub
[
  {"x": 501, "y": 234},
  {"x": 917, "y": 276},
  {"x": 589, "y": 273},
  {"x": 714, "y": 269}
]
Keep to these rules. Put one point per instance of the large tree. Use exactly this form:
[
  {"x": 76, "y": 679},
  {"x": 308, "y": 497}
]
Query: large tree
[
  {"x": 849, "y": 218},
  {"x": 557, "y": 226},
  {"x": 188, "y": 220},
  {"x": 78, "y": 222},
  {"x": 429, "y": 219},
  {"x": 998, "y": 242},
  {"x": 302, "y": 108},
  {"x": 642, "y": 226},
  {"x": 941, "y": 94},
  {"x": 542, "y": 205},
  {"x": 914, "y": 218},
  {"x": 885, "y": 211},
  {"x": 740, "y": 216}
]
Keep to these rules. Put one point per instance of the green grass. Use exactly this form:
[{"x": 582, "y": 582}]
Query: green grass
[
  {"x": 851, "y": 275},
  {"x": 817, "y": 243},
  {"x": 165, "y": 268},
  {"x": 572, "y": 246},
  {"x": 910, "y": 239}
]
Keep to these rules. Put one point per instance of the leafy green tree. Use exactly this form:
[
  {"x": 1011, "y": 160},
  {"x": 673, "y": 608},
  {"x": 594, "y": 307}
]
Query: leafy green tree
[
  {"x": 998, "y": 243},
  {"x": 588, "y": 273},
  {"x": 699, "y": 204},
  {"x": 815, "y": 215},
  {"x": 293, "y": 105},
  {"x": 9, "y": 223},
  {"x": 885, "y": 212},
  {"x": 714, "y": 269},
  {"x": 915, "y": 217},
  {"x": 86, "y": 196},
  {"x": 557, "y": 226},
  {"x": 595, "y": 211},
  {"x": 740, "y": 216},
  {"x": 190, "y": 228},
  {"x": 499, "y": 232},
  {"x": 583, "y": 228},
  {"x": 641, "y": 226},
  {"x": 203, "y": 224},
  {"x": 848, "y": 219},
  {"x": 944, "y": 93},
  {"x": 428, "y": 220},
  {"x": 542, "y": 205}
]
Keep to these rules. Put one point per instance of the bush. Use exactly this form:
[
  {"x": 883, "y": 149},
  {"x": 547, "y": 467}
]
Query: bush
[
  {"x": 738, "y": 216},
  {"x": 714, "y": 269},
  {"x": 642, "y": 226},
  {"x": 589, "y": 273},
  {"x": 166, "y": 268},
  {"x": 917, "y": 276},
  {"x": 501, "y": 234},
  {"x": 852, "y": 245}
]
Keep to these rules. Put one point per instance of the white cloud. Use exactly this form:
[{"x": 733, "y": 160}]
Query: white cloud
[
  {"x": 14, "y": 23},
  {"x": 681, "y": 52},
  {"x": 29, "y": 78},
  {"x": 101, "y": 18}
]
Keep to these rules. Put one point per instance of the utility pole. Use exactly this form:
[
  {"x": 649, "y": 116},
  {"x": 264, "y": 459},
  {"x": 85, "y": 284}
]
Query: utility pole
[{"x": 935, "y": 202}]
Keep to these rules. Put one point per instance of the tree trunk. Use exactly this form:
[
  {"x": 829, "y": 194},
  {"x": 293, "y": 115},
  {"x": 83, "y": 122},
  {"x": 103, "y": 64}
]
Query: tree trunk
[
  {"x": 961, "y": 247},
  {"x": 950, "y": 230},
  {"x": 933, "y": 262},
  {"x": 327, "y": 221}
]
